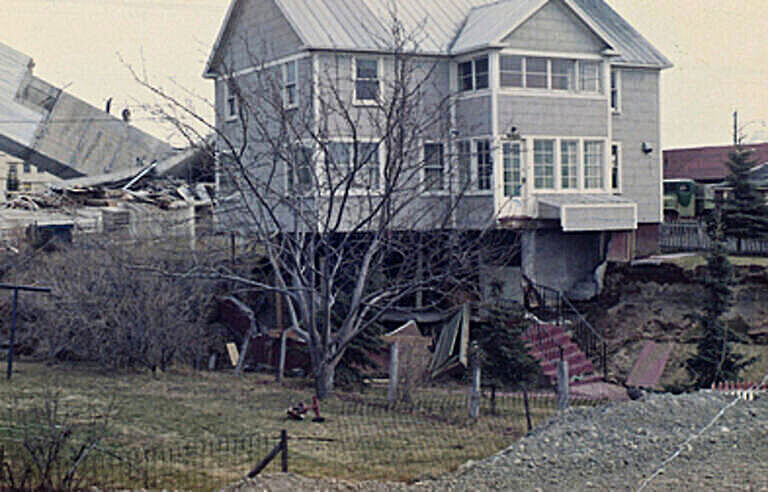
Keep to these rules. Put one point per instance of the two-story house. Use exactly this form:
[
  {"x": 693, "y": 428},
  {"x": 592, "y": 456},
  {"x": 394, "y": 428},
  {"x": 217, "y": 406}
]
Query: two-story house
[{"x": 554, "y": 114}]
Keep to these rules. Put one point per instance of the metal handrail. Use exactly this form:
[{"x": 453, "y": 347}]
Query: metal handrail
[{"x": 591, "y": 341}]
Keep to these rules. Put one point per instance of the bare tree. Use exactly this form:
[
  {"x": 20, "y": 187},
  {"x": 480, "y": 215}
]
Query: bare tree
[{"x": 352, "y": 187}]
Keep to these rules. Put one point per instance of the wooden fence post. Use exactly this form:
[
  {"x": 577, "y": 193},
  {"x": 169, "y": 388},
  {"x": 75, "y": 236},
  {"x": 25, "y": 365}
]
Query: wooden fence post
[
  {"x": 562, "y": 385},
  {"x": 474, "y": 395},
  {"x": 527, "y": 409},
  {"x": 284, "y": 443},
  {"x": 392, "y": 393}
]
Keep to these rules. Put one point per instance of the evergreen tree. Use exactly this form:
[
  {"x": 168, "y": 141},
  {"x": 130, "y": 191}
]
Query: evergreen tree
[
  {"x": 499, "y": 341},
  {"x": 745, "y": 214},
  {"x": 715, "y": 360}
]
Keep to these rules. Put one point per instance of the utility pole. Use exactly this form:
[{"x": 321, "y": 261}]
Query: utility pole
[
  {"x": 736, "y": 127},
  {"x": 16, "y": 289}
]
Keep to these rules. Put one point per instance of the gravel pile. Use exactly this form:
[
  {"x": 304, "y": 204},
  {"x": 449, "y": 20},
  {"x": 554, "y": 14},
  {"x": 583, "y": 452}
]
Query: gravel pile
[{"x": 609, "y": 448}]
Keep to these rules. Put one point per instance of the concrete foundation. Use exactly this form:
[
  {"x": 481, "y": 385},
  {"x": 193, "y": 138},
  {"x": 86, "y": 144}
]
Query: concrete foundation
[{"x": 563, "y": 261}]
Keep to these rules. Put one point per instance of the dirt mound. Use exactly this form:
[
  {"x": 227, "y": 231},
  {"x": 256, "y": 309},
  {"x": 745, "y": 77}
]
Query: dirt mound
[{"x": 614, "y": 447}]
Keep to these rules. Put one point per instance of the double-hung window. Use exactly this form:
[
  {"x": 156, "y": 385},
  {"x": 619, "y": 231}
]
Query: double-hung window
[
  {"x": 536, "y": 73},
  {"x": 615, "y": 167},
  {"x": 562, "y": 74},
  {"x": 589, "y": 76},
  {"x": 512, "y": 175},
  {"x": 230, "y": 100},
  {"x": 593, "y": 164},
  {"x": 484, "y": 164},
  {"x": 356, "y": 163},
  {"x": 569, "y": 164},
  {"x": 511, "y": 71},
  {"x": 615, "y": 91},
  {"x": 290, "y": 96},
  {"x": 464, "y": 158},
  {"x": 473, "y": 74},
  {"x": 543, "y": 164},
  {"x": 298, "y": 162},
  {"x": 434, "y": 169},
  {"x": 367, "y": 88}
]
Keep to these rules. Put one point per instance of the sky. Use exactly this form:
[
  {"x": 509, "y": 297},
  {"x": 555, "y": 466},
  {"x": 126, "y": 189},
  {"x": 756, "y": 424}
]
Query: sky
[{"x": 719, "y": 49}]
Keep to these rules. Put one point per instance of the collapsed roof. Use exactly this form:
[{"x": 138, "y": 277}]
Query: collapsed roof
[{"x": 61, "y": 134}]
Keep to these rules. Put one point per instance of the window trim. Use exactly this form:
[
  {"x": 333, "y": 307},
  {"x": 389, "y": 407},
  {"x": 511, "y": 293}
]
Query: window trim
[
  {"x": 366, "y": 102},
  {"x": 286, "y": 84}
]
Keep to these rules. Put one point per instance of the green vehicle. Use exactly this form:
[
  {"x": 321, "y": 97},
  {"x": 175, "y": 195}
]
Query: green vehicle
[{"x": 686, "y": 199}]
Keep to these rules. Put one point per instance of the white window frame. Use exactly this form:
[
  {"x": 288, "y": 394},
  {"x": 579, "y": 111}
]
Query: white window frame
[
  {"x": 615, "y": 83},
  {"x": 426, "y": 183},
  {"x": 473, "y": 64},
  {"x": 373, "y": 101},
  {"x": 618, "y": 167},
  {"x": 288, "y": 84},
  {"x": 356, "y": 190}
]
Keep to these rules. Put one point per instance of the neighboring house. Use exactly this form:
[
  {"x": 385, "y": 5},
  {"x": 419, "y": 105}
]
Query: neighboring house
[
  {"x": 705, "y": 164},
  {"x": 555, "y": 110},
  {"x": 49, "y": 130},
  {"x": 17, "y": 176}
]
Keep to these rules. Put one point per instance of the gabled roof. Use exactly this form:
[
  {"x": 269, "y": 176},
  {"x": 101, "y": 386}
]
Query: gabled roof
[{"x": 443, "y": 27}]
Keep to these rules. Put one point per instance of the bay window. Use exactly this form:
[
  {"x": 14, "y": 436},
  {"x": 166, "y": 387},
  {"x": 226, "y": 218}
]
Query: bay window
[
  {"x": 562, "y": 74},
  {"x": 511, "y": 71}
]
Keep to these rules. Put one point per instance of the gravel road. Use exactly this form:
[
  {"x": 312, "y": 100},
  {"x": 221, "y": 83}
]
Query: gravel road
[{"x": 607, "y": 448}]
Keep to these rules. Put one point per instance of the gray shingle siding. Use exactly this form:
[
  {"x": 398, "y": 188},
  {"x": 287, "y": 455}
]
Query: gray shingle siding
[
  {"x": 555, "y": 28},
  {"x": 258, "y": 33},
  {"x": 555, "y": 116},
  {"x": 638, "y": 122}
]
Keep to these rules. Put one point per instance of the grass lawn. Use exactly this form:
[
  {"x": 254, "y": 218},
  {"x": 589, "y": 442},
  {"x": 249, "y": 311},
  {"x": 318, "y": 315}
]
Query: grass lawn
[{"x": 361, "y": 438}]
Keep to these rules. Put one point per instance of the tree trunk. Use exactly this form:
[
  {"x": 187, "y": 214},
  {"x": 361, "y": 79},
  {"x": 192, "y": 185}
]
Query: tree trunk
[{"x": 324, "y": 380}]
